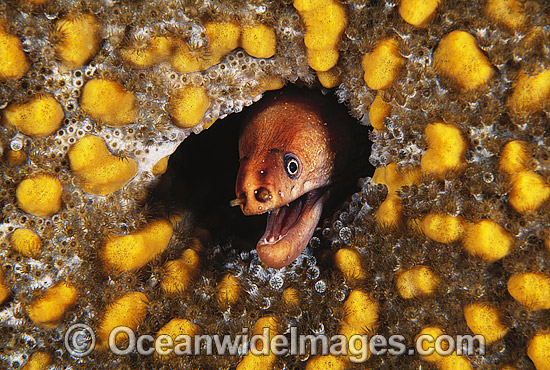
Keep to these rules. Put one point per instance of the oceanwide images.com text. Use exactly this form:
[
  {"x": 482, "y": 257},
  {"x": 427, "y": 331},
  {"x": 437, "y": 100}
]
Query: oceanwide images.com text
[{"x": 80, "y": 341}]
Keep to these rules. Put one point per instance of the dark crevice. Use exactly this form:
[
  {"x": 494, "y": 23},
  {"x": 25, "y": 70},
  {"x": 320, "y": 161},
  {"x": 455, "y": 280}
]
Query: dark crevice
[{"x": 202, "y": 172}]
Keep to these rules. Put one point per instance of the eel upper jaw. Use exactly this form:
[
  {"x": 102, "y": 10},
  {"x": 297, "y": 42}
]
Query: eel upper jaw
[{"x": 289, "y": 229}]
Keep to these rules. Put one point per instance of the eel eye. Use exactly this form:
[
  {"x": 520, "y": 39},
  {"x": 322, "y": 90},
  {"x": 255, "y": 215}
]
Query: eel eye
[{"x": 293, "y": 167}]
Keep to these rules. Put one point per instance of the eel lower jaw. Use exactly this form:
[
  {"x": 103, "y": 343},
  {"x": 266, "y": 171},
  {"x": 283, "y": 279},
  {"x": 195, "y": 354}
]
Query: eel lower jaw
[{"x": 289, "y": 229}]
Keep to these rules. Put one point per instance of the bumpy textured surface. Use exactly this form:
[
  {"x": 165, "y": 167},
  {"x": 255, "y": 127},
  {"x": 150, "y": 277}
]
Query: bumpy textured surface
[{"x": 451, "y": 235}]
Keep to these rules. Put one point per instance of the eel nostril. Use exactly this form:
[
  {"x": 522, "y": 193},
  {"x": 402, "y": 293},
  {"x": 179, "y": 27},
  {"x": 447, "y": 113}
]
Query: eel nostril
[
  {"x": 241, "y": 200},
  {"x": 262, "y": 194}
]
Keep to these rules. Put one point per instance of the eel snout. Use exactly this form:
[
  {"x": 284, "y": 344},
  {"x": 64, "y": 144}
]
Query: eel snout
[
  {"x": 290, "y": 224},
  {"x": 287, "y": 150}
]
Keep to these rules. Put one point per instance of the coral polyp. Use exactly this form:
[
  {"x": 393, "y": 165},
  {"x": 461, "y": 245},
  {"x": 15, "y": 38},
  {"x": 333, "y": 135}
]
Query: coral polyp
[{"x": 450, "y": 236}]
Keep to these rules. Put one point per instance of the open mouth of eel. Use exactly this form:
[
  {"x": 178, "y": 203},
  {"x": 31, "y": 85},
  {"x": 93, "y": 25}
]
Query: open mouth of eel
[{"x": 289, "y": 229}]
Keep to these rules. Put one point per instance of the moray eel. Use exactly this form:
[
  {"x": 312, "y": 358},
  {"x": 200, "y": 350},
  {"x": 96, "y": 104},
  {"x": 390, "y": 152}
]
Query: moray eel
[{"x": 289, "y": 149}]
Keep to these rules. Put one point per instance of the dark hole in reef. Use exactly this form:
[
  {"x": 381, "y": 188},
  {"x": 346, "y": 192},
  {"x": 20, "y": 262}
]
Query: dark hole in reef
[{"x": 202, "y": 172}]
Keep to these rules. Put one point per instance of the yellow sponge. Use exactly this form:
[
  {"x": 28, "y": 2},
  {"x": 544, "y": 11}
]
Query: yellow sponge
[
  {"x": 322, "y": 60},
  {"x": 328, "y": 362},
  {"x": 161, "y": 166},
  {"x": 531, "y": 94},
  {"x": 417, "y": 12},
  {"x": 484, "y": 319},
  {"x": 108, "y": 102},
  {"x": 79, "y": 39},
  {"x": 184, "y": 60},
  {"x": 256, "y": 359},
  {"x": 309, "y": 5},
  {"x": 48, "y": 310},
  {"x": 361, "y": 312},
  {"x": 324, "y": 26},
  {"x": 531, "y": 290},
  {"x": 459, "y": 58},
  {"x": 180, "y": 273},
  {"x": 5, "y": 291},
  {"x": 266, "y": 84},
  {"x": 507, "y": 12},
  {"x": 133, "y": 251},
  {"x": 455, "y": 362},
  {"x": 40, "y": 195},
  {"x": 38, "y": 361},
  {"x": 189, "y": 105},
  {"x": 360, "y": 318},
  {"x": 395, "y": 179},
  {"x": 349, "y": 262},
  {"x": 259, "y": 41},
  {"x": 291, "y": 297},
  {"x": 13, "y": 61},
  {"x": 222, "y": 38},
  {"x": 529, "y": 189},
  {"x": 447, "y": 362},
  {"x": 382, "y": 65},
  {"x": 389, "y": 214},
  {"x": 538, "y": 351},
  {"x": 488, "y": 240},
  {"x": 325, "y": 21},
  {"x": 173, "y": 329},
  {"x": 177, "y": 327},
  {"x": 379, "y": 110},
  {"x": 417, "y": 281},
  {"x": 446, "y": 148},
  {"x": 125, "y": 311},
  {"x": 158, "y": 49},
  {"x": 98, "y": 171},
  {"x": 42, "y": 116},
  {"x": 429, "y": 334},
  {"x": 26, "y": 242},
  {"x": 229, "y": 291},
  {"x": 515, "y": 157},
  {"x": 329, "y": 79},
  {"x": 442, "y": 228}
]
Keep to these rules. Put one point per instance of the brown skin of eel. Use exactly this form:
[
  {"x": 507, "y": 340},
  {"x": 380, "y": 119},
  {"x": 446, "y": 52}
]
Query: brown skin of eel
[{"x": 287, "y": 153}]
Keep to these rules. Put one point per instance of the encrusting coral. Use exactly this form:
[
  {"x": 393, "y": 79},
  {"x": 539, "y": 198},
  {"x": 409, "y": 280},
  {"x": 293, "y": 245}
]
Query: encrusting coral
[{"x": 451, "y": 235}]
